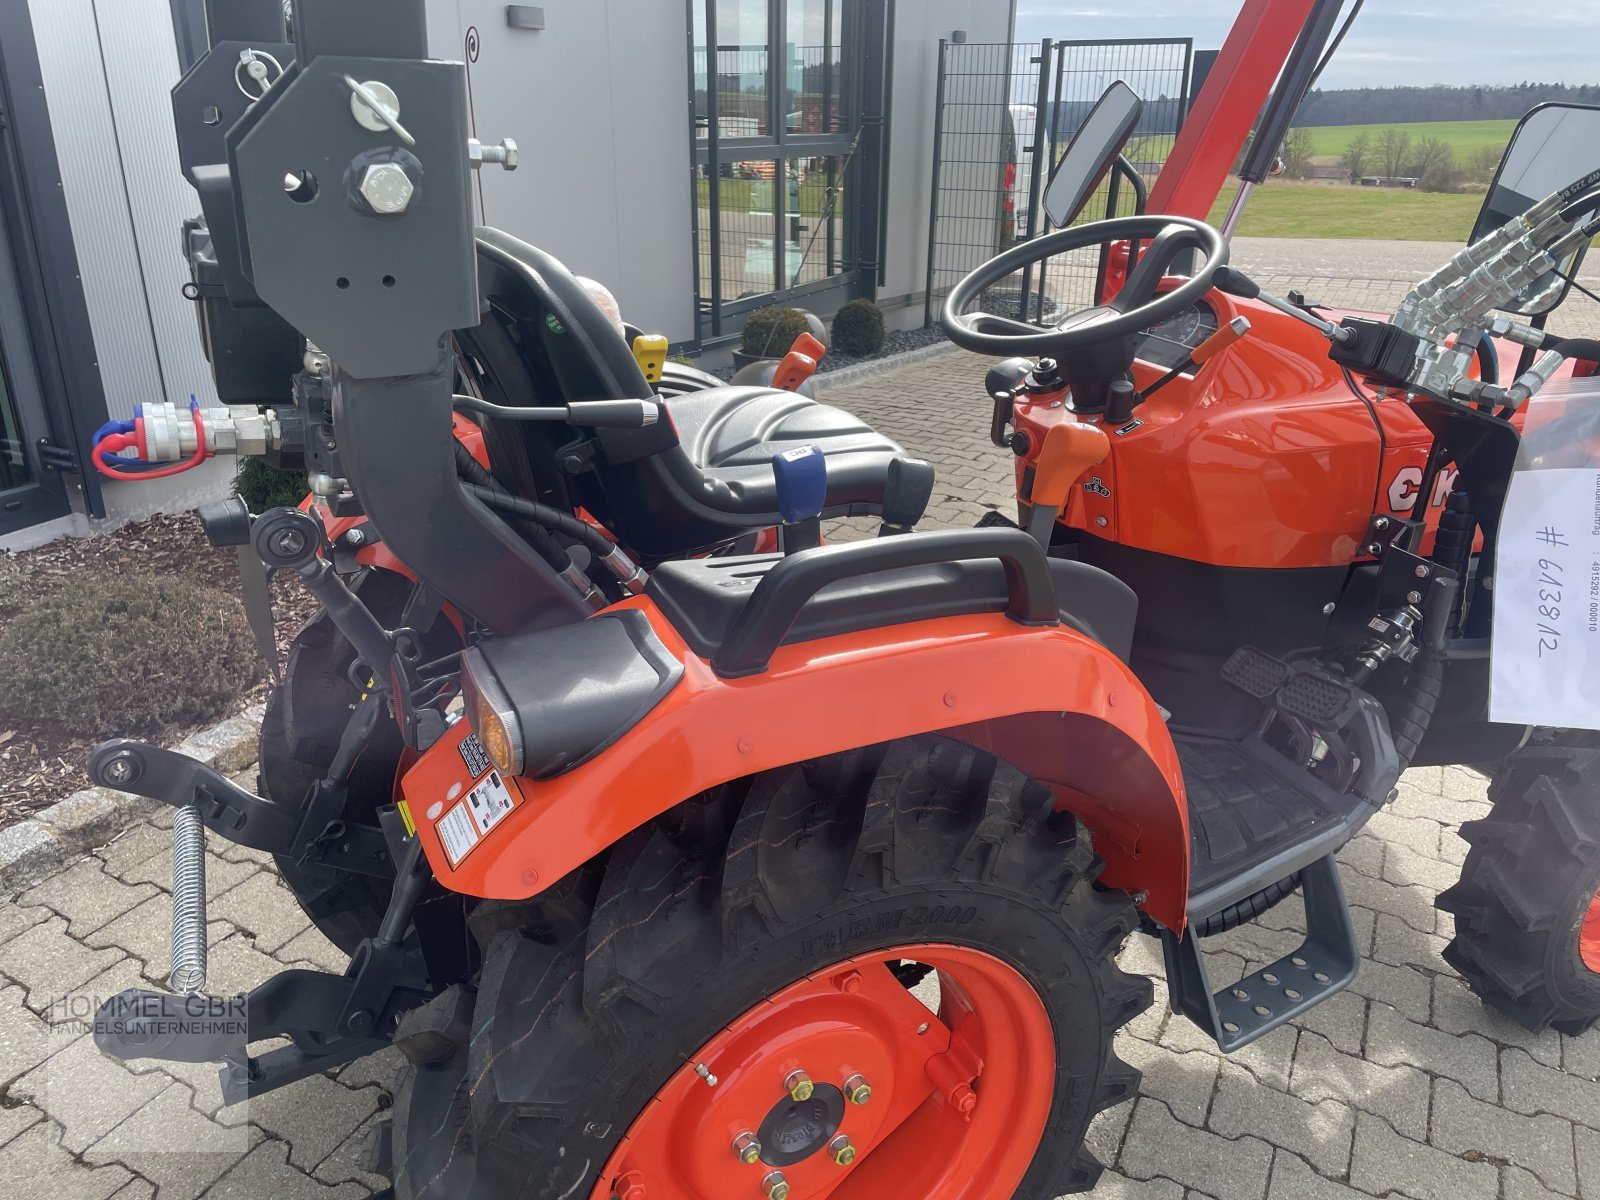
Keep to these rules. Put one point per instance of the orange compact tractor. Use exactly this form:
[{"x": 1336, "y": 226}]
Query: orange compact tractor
[{"x": 685, "y": 858}]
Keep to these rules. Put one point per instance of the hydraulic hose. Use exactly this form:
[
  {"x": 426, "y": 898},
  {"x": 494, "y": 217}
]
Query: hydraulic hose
[
  {"x": 1452, "y": 550},
  {"x": 1420, "y": 700},
  {"x": 1452, "y": 544},
  {"x": 538, "y": 536},
  {"x": 544, "y": 515}
]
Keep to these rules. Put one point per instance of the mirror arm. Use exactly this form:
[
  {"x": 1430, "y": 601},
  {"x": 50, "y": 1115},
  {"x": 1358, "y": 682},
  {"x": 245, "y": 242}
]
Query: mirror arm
[{"x": 1141, "y": 193}]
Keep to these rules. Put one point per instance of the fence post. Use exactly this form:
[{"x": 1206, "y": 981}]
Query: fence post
[
  {"x": 933, "y": 190},
  {"x": 1036, "y": 172}
]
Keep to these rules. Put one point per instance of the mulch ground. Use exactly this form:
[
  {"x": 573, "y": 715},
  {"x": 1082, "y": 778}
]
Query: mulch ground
[{"x": 40, "y": 762}]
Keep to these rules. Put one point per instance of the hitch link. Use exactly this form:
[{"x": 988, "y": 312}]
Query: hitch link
[{"x": 189, "y": 950}]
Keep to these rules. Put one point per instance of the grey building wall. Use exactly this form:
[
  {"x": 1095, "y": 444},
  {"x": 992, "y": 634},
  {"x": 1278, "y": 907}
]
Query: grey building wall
[
  {"x": 918, "y": 26},
  {"x": 598, "y": 102},
  {"x": 107, "y": 67}
]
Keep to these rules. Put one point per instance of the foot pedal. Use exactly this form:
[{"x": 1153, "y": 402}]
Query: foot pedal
[
  {"x": 1324, "y": 964},
  {"x": 1297, "y": 689}
]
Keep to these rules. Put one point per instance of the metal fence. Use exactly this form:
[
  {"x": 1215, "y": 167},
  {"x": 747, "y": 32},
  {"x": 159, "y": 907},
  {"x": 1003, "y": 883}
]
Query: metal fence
[{"x": 1005, "y": 114}]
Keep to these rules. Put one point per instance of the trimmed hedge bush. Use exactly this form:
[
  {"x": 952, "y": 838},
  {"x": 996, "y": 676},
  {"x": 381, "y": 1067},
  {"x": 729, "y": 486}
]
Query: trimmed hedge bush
[
  {"x": 858, "y": 329},
  {"x": 127, "y": 656},
  {"x": 771, "y": 331},
  {"x": 262, "y": 486}
]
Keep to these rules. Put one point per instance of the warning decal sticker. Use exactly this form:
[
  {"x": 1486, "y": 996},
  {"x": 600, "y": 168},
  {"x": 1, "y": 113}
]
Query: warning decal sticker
[
  {"x": 457, "y": 834},
  {"x": 464, "y": 826}
]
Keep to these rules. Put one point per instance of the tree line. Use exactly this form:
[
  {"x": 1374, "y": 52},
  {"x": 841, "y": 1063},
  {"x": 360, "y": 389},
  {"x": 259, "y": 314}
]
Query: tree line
[
  {"x": 1380, "y": 105},
  {"x": 1394, "y": 154}
]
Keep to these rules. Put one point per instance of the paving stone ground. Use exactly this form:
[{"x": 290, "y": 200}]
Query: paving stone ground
[{"x": 1403, "y": 1086}]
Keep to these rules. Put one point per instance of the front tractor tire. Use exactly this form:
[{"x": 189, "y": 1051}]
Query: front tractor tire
[
  {"x": 1527, "y": 907},
  {"x": 746, "y": 965}
]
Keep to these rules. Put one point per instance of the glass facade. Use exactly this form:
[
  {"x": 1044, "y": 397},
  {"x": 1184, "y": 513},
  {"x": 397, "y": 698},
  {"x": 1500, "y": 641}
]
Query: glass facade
[
  {"x": 774, "y": 149},
  {"x": 13, "y": 462}
]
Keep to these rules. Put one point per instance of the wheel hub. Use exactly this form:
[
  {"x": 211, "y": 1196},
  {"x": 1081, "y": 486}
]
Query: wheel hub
[
  {"x": 794, "y": 1130},
  {"x": 845, "y": 1082}
]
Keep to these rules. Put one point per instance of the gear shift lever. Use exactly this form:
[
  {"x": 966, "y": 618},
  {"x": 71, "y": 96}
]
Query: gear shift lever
[{"x": 802, "y": 478}]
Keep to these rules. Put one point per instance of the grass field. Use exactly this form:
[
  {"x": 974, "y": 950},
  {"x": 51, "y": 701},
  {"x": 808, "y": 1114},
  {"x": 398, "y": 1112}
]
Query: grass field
[
  {"x": 1291, "y": 210},
  {"x": 1464, "y": 137}
]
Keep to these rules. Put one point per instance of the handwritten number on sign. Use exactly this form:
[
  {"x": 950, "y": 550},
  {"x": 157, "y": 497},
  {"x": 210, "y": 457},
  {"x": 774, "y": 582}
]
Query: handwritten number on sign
[{"x": 1550, "y": 590}]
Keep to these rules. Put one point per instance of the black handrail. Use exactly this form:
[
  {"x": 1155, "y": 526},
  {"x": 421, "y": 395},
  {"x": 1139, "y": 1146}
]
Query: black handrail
[{"x": 790, "y": 584}]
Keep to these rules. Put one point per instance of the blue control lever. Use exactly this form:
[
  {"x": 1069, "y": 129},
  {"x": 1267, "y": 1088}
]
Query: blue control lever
[{"x": 802, "y": 479}]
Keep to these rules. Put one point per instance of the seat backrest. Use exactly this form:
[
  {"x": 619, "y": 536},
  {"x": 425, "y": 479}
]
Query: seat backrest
[{"x": 543, "y": 340}]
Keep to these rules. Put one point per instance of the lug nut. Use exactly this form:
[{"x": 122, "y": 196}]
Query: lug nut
[
  {"x": 776, "y": 1186},
  {"x": 799, "y": 1086},
  {"x": 841, "y": 1151},
  {"x": 747, "y": 1148},
  {"x": 856, "y": 1090}
]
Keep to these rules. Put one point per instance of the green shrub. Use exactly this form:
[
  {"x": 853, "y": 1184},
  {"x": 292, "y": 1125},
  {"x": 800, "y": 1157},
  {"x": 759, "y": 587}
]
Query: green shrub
[
  {"x": 858, "y": 329},
  {"x": 262, "y": 486},
  {"x": 127, "y": 655},
  {"x": 772, "y": 331}
]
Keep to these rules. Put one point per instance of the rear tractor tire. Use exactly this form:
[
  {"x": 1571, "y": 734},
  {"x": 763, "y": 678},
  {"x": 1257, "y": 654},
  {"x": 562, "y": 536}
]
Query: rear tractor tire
[
  {"x": 305, "y": 719},
  {"x": 744, "y": 966},
  {"x": 1527, "y": 908}
]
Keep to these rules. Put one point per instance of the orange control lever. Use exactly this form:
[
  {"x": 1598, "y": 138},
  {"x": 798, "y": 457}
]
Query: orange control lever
[
  {"x": 1220, "y": 340},
  {"x": 1070, "y": 449},
  {"x": 800, "y": 364}
]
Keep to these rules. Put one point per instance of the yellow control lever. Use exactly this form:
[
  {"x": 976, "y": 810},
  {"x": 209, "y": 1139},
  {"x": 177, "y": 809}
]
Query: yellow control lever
[{"x": 650, "y": 352}]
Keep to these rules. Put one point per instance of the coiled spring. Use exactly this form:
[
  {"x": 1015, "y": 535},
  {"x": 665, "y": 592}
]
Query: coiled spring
[{"x": 189, "y": 950}]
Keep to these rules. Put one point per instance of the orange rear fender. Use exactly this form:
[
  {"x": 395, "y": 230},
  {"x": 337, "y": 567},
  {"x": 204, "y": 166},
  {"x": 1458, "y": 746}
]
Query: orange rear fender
[{"x": 1055, "y": 703}]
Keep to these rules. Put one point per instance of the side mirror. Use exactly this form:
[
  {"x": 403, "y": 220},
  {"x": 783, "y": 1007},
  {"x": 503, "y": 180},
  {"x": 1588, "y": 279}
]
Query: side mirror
[
  {"x": 1091, "y": 152},
  {"x": 1552, "y": 147}
]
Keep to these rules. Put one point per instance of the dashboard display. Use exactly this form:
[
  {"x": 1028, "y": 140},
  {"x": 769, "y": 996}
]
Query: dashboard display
[{"x": 1168, "y": 343}]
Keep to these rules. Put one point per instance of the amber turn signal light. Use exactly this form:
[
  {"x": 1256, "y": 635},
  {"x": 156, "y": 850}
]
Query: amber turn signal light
[{"x": 491, "y": 714}]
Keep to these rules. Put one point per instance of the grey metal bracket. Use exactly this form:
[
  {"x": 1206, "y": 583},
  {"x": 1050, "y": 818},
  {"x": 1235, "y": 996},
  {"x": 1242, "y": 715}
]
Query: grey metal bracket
[{"x": 376, "y": 271}]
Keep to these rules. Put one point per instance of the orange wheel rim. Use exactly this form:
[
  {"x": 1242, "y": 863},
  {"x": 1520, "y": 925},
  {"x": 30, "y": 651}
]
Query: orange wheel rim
[
  {"x": 956, "y": 1104},
  {"x": 1589, "y": 935}
]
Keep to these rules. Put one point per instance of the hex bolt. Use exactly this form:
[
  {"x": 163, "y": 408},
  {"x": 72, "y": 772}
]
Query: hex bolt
[
  {"x": 288, "y": 543},
  {"x": 1413, "y": 597},
  {"x": 799, "y": 1086},
  {"x": 629, "y": 1186},
  {"x": 747, "y": 1148},
  {"x": 841, "y": 1151},
  {"x": 849, "y": 983},
  {"x": 356, "y": 537},
  {"x": 776, "y": 1186},
  {"x": 122, "y": 769},
  {"x": 503, "y": 155},
  {"x": 857, "y": 1090},
  {"x": 1422, "y": 572},
  {"x": 387, "y": 189}
]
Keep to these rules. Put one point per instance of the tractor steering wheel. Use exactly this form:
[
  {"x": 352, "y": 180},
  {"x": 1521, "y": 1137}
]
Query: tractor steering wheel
[{"x": 1135, "y": 307}]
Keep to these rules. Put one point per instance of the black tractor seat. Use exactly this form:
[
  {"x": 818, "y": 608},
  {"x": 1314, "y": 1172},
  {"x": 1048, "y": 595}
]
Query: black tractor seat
[
  {"x": 730, "y": 435},
  {"x": 691, "y": 482}
]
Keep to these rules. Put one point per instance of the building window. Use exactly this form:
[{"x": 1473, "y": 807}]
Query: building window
[{"x": 775, "y": 150}]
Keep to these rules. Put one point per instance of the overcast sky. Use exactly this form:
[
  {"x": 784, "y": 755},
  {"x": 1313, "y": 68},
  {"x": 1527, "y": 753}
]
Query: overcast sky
[{"x": 1393, "y": 42}]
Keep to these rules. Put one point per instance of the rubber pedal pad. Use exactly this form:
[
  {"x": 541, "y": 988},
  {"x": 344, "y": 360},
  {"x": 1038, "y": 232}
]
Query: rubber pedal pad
[
  {"x": 1326, "y": 703},
  {"x": 1255, "y": 673}
]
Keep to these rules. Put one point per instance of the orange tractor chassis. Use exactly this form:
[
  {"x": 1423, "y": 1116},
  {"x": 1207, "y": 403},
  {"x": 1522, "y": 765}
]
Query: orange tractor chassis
[{"x": 683, "y": 856}]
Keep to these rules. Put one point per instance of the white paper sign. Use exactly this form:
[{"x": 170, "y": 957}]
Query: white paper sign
[{"x": 1545, "y": 653}]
